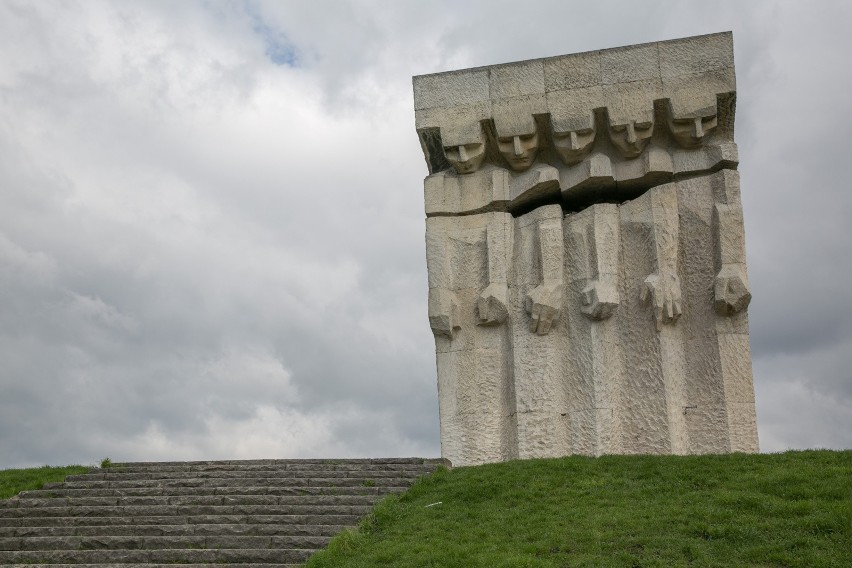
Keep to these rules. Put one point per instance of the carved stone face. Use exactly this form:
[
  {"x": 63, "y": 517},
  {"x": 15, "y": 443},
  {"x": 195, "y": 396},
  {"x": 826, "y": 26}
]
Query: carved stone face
[
  {"x": 465, "y": 158},
  {"x": 519, "y": 151},
  {"x": 631, "y": 138},
  {"x": 573, "y": 146},
  {"x": 689, "y": 132}
]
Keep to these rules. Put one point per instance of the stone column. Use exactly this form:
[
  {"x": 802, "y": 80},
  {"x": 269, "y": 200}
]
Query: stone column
[
  {"x": 468, "y": 260},
  {"x": 539, "y": 337},
  {"x": 593, "y": 245}
]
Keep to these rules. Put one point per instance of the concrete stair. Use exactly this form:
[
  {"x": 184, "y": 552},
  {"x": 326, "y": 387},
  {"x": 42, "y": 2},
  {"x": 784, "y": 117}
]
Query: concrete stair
[{"x": 258, "y": 513}]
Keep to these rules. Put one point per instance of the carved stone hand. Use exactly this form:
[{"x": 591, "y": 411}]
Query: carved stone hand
[
  {"x": 663, "y": 289},
  {"x": 732, "y": 290},
  {"x": 543, "y": 304},
  {"x": 600, "y": 298},
  {"x": 491, "y": 305},
  {"x": 443, "y": 312}
]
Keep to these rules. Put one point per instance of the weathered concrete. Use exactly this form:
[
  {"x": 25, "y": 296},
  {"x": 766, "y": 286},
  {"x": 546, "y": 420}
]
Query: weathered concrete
[{"x": 585, "y": 248}]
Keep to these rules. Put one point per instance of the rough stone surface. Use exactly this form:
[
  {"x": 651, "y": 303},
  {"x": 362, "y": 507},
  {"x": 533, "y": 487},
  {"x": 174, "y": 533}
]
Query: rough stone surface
[
  {"x": 271, "y": 513},
  {"x": 588, "y": 290}
]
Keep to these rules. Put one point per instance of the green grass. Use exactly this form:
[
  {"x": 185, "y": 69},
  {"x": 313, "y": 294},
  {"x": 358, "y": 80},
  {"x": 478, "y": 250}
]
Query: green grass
[
  {"x": 13, "y": 481},
  {"x": 779, "y": 510}
]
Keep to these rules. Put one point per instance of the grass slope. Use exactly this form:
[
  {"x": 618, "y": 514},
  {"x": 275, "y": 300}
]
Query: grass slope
[
  {"x": 778, "y": 510},
  {"x": 13, "y": 481}
]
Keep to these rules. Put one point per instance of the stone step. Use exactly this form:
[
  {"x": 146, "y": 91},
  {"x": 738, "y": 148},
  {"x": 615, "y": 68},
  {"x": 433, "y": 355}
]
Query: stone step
[
  {"x": 161, "y": 542},
  {"x": 184, "y": 510},
  {"x": 141, "y": 473},
  {"x": 295, "y": 462},
  {"x": 164, "y": 556},
  {"x": 244, "y": 475},
  {"x": 142, "y": 520},
  {"x": 301, "y": 500},
  {"x": 178, "y": 490},
  {"x": 236, "y": 482},
  {"x": 288, "y": 467},
  {"x": 219, "y": 529},
  {"x": 272, "y": 513}
]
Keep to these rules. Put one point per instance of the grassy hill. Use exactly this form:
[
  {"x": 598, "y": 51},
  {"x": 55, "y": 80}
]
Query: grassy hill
[
  {"x": 779, "y": 510},
  {"x": 13, "y": 481}
]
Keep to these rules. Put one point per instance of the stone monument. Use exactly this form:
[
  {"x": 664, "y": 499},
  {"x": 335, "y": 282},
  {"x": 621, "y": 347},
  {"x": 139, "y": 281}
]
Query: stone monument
[{"x": 585, "y": 251}]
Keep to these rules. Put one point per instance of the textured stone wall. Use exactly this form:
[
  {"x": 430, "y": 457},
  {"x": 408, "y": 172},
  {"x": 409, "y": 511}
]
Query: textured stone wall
[{"x": 585, "y": 251}]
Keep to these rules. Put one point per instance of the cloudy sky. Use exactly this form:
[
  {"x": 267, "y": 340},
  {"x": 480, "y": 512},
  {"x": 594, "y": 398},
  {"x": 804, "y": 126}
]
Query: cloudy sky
[{"x": 211, "y": 217}]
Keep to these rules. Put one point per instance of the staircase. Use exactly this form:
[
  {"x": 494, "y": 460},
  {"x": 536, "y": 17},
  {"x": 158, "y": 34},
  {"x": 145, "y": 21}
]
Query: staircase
[{"x": 269, "y": 513}]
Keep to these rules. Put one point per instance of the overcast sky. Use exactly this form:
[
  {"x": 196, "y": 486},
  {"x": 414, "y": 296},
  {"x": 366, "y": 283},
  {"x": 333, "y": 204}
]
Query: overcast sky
[{"x": 211, "y": 217}]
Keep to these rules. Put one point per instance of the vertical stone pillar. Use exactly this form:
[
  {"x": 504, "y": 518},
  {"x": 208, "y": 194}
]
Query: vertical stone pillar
[
  {"x": 538, "y": 336},
  {"x": 655, "y": 358},
  {"x": 731, "y": 296},
  {"x": 468, "y": 260},
  {"x": 593, "y": 245}
]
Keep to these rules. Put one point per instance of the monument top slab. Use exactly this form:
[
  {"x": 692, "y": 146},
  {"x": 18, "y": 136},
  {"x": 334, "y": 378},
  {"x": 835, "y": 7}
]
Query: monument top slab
[{"x": 645, "y": 61}]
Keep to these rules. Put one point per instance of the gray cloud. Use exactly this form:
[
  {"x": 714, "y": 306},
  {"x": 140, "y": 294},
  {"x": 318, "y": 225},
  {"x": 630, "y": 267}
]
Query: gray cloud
[{"x": 211, "y": 239}]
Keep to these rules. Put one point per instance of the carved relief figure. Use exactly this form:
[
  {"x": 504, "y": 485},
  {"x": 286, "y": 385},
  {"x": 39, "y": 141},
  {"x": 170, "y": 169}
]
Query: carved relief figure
[
  {"x": 630, "y": 137},
  {"x": 466, "y": 154},
  {"x": 689, "y": 127},
  {"x": 595, "y": 380},
  {"x": 574, "y": 145},
  {"x": 469, "y": 259},
  {"x": 539, "y": 335}
]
